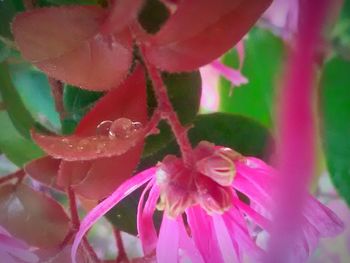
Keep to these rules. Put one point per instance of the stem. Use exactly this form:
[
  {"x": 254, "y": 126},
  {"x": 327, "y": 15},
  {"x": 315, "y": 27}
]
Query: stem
[
  {"x": 90, "y": 250},
  {"x": 122, "y": 257},
  {"x": 57, "y": 93},
  {"x": 76, "y": 223},
  {"x": 73, "y": 208},
  {"x": 167, "y": 112},
  {"x": 19, "y": 175}
]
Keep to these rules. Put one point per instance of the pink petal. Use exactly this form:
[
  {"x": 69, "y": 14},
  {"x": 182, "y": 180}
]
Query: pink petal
[
  {"x": 145, "y": 225},
  {"x": 322, "y": 218},
  {"x": 9, "y": 241},
  {"x": 228, "y": 247},
  {"x": 185, "y": 43},
  {"x": 23, "y": 255},
  {"x": 257, "y": 218},
  {"x": 6, "y": 257},
  {"x": 187, "y": 244},
  {"x": 76, "y": 148},
  {"x": 241, "y": 53},
  {"x": 203, "y": 234},
  {"x": 238, "y": 230},
  {"x": 297, "y": 132},
  {"x": 168, "y": 242},
  {"x": 102, "y": 208},
  {"x": 229, "y": 73}
]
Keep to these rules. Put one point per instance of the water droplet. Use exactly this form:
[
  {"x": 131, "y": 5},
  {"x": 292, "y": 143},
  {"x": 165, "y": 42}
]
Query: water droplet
[
  {"x": 65, "y": 140},
  {"x": 100, "y": 147},
  {"x": 80, "y": 148},
  {"x": 103, "y": 128},
  {"x": 123, "y": 128},
  {"x": 70, "y": 145}
]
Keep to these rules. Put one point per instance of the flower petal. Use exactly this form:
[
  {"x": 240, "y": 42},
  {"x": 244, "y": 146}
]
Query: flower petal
[
  {"x": 145, "y": 225},
  {"x": 229, "y": 250},
  {"x": 187, "y": 244},
  {"x": 168, "y": 242},
  {"x": 322, "y": 218},
  {"x": 102, "y": 208},
  {"x": 238, "y": 230},
  {"x": 231, "y": 74},
  {"x": 200, "y": 222}
]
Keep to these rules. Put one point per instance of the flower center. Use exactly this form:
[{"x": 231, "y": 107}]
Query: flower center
[{"x": 208, "y": 184}]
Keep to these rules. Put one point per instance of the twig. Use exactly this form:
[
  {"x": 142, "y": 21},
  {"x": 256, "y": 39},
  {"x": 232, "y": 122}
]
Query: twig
[
  {"x": 76, "y": 224},
  {"x": 122, "y": 257},
  {"x": 57, "y": 93},
  {"x": 19, "y": 175},
  {"x": 167, "y": 112}
]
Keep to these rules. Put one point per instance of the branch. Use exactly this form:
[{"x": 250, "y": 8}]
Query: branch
[
  {"x": 167, "y": 112},
  {"x": 19, "y": 175},
  {"x": 122, "y": 257},
  {"x": 57, "y": 93}
]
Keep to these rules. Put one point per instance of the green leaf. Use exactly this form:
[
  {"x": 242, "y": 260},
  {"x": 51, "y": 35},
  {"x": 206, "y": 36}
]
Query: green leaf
[
  {"x": 240, "y": 133},
  {"x": 341, "y": 32},
  {"x": 184, "y": 91},
  {"x": 17, "y": 111},
  {"x": 35, "y": 92},
  {"x": 335, "y": 107},
  {"x": 77, "y": 102},
  {"x": 8, "y": 9},
  {"x": 153, "y": 15},
  {"x": 43, "y": 3},
  {"x": 237, "y": 132},
  {"x": 263, "y": 60},
  {"x": 4, "y": 51},
  {"x": 17, "y": 149}
]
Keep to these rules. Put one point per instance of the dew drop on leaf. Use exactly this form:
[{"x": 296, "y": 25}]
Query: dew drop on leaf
[
  {"x": 103, "y": 128},
  {"x": 123, "y": 128}
]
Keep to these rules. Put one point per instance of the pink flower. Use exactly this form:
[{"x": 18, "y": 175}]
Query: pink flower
[
  {"x": 210, "y": 77},
  {"x": 13, "y": 250},
  {"x": 213, "y": 211}
]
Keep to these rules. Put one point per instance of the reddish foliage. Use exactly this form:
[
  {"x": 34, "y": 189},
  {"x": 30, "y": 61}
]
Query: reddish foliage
[
  {"x": 185, "y": 43},
  {"x": 95, "y": 171},
  {"x": 92, "y": 48},
  {"x": 68, "y": 46},
  {"x": 32, "y": 216},
  {"x": 44, "y": 170}
]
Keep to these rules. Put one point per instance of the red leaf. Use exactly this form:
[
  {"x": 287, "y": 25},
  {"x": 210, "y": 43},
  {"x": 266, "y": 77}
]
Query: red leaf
[
  {"x": 200, "y": 31},
  {"x": 65, "y": 42},
  {"x": 96, "y": 179},
  {"x": 71, "y": 173},
  {"x": 74, "y": 148},
  {"x": 127, "y": 101},
  {"x": 106, "y": 174},
  {"x": 32, "y": 216},
  {"x": 123, "y": 12},
  {"x": 44, "y": 170}
]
